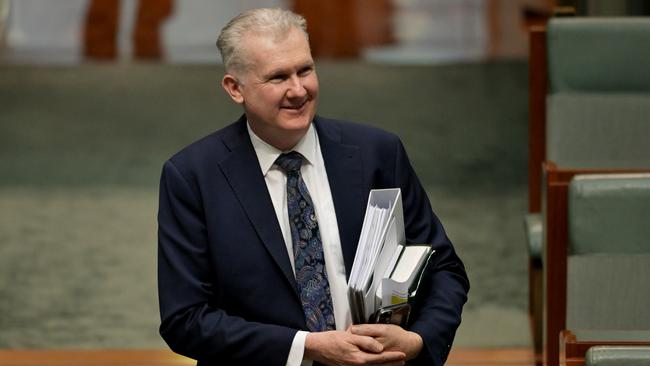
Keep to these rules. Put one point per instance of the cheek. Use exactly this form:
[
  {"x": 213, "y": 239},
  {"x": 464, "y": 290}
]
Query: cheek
[
  {"x": 312, "y": 87},
  {"x": 273, "y": 96},
  {"x": 265, "y": 100}
]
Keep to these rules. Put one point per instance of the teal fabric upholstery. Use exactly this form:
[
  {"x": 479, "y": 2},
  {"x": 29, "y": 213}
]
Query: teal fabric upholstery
[
  {"x": 599, "y": 54},
  {"x": 618, "y": 356},
  {"x": 609, "y": 252},
  {"x": 608, "y": 291},
  {"x": 598, "y": 130},
  {"x": 609, "y": 213}
]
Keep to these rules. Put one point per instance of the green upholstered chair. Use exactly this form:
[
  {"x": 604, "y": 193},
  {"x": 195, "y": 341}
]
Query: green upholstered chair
[
  {"x": 618, "y": 356},
  {"x": 588, "y": 109},
  {"x": 573, "y": 263},
  {"x": 608, "y": 266},
  {"x": 598, "y": 99},
  {"x": 598, "y": 247}
]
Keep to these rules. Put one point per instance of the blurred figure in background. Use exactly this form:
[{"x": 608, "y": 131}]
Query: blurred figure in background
[{"x": 101, "y": 29}]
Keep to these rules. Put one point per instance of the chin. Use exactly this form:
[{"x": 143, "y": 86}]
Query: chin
[
  {"x": 297, "y": 123},
  {"x": 295, "y": 128}
]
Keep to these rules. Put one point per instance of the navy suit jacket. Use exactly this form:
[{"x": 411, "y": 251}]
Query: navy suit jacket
[{"x": 226, "y": 288}]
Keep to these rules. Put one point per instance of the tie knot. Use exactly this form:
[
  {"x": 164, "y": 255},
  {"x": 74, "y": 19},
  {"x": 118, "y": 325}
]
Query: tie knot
[{"x": 290, "y": 162}]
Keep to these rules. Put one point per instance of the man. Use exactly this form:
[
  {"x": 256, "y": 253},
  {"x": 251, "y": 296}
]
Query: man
[{"x": 259, "y": 222}]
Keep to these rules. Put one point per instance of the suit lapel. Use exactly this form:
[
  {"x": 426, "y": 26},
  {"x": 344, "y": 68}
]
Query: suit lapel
[
  {"x": 241, "y": 169},
  {"x": 344, "y": 172}
]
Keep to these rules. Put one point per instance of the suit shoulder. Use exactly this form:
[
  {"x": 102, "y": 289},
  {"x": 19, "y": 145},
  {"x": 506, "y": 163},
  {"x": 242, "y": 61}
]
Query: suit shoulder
[
  {"x": 355, "y": 133},
  {"x": 209, "y": 149}
]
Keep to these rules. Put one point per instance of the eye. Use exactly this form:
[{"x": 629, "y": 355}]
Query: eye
[
  {"x": 305, "y": 70},
  {"x": 278, "y": 78}
]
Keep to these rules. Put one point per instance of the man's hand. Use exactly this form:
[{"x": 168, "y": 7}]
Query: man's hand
[
  {"x": 392, "y": 337},
  {"x": 345, "y": 348}
]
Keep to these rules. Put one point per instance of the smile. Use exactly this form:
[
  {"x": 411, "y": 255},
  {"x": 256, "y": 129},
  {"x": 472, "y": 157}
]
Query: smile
[{"x": 296, "y": 107}]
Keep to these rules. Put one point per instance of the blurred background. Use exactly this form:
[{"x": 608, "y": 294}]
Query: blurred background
[{"x": 96, "y": 94}]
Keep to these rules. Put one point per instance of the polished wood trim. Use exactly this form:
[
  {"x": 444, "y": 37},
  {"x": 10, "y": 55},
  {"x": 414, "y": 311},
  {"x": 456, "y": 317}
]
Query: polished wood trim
[
  {"x": 555, "y": 260},
  {"x": 332, "y": 27},
  {"x": 493, "y": 27},
  {"x": 537, "y": 87},
  {"x": 343, "y": 28},
  {"x": 100, "y": 29},
  {"x": 375, "y": 22},
  {"x": 151, "y": 15},
  {"x": 158, "y": 357},
  {"x": 100, "y": 32}
]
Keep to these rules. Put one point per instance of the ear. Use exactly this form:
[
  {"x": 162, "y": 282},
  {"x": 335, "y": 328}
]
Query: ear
[{"x": 233, "y": 88}]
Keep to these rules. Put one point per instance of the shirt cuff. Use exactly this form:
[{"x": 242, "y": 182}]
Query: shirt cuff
[{"x": 298, "y": 350}]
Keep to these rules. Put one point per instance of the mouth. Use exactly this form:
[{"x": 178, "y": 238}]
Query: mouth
[{"x": 298, "y": 108}]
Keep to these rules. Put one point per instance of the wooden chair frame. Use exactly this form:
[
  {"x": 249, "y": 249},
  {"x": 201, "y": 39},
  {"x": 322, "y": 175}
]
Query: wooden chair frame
[
  {"x": 537, "y": 88},
  {"x": 556, "y": 181}
]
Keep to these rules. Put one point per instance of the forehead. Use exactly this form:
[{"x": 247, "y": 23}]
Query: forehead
[{"x": 268, "y": 52}]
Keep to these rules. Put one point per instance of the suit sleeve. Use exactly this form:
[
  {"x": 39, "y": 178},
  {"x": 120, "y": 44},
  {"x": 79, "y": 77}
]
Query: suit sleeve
[
  {"x": 443, "y": 292},
  {"x": 191, "y": 323}
]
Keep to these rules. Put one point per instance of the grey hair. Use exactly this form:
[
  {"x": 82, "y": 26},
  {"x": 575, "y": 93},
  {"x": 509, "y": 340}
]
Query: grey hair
[{"x": 274, "y": 22}]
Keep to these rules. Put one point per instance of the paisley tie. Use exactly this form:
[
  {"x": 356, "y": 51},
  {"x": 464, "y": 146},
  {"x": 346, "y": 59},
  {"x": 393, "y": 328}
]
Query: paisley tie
[{"x": 311, "y": 276}]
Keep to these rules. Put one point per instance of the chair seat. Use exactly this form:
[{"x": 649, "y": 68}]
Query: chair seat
[{"x": 618, "y": 356}]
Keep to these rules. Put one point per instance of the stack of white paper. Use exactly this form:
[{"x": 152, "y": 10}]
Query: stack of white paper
[
  {"x": 384, "y": 271},
  {"x": 369, "y": 245},
  {"x": 382, "y": 231}
]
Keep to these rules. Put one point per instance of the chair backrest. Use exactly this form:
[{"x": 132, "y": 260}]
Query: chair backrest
[
  {"x": 608, "y": 264},
  {"x": 609, "y": 213},
  {"x": 598, "y": 55},
  {"x": 589, "y": 96},
  {"x": 598, "y": 99}
]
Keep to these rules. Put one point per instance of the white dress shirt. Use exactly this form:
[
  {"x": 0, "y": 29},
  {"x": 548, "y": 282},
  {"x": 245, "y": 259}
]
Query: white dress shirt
[{"x": 315, "y": 177}]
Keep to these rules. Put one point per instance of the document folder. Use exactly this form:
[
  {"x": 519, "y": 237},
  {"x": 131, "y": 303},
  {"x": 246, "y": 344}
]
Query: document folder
[{"x": 384, "y": 271}]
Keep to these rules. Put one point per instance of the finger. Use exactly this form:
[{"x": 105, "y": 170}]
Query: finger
[
  {"x": 389, "y": 357},
  {"x": 367, "y": 344},
  {"x": 370, "y": 330}
]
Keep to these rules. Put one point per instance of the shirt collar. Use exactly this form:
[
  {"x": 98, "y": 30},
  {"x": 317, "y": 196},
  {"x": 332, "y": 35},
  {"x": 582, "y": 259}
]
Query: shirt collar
[{"x": 267, "y": 154}]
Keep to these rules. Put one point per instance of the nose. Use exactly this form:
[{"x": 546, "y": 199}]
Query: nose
[{"x": 296, "y": 88}]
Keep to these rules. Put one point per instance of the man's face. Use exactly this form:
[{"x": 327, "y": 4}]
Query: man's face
[{"x": 279, "y": 90}]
